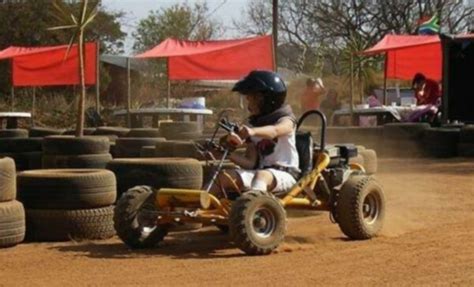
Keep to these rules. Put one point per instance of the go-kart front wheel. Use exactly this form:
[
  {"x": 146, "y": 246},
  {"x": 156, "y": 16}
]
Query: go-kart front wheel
[
  {"x": 257, "y": 223},
  {"x": 360, "y": 209},
  {"x": 135, "y": 219}
]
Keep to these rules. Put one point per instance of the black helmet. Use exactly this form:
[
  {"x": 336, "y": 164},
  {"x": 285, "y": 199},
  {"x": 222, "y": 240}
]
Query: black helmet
[{"x": 268, "y": 83}]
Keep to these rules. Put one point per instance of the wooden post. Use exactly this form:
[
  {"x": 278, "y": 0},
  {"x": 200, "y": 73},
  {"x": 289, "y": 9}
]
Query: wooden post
[
  {"x": 13, "y": 99},
  {"x": 33, "y": 107},
  {"x": 275, "y": 34},
  {"x": 129, "y": 94},
  {"x": 168, "y": 96},
  {"x": 385, "y": 81},
  {"x": 97, "y": 83},
  {"x": 351, "y": 106}
]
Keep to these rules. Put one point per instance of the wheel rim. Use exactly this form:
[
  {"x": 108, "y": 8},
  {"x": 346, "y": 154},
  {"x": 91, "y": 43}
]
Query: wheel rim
[
  {"x": 146, "y": 219},
  {"x": 263, "y": 222},
  {"x": 371, "y": 207}
]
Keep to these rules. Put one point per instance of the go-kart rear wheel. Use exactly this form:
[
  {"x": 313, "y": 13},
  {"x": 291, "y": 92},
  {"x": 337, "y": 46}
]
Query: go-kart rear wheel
[
  {"x": 257, "y": 223},
  {"x": 135, "y": 219},
  {"x": 360, "y": 208}
]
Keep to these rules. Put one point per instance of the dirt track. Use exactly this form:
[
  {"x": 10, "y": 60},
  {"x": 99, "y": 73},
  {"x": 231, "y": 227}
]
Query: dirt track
[{"x": 428, "y": 239}]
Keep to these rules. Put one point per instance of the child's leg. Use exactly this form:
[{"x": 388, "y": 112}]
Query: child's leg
[
  {"x": 227, "y": 182},
  {"x": 263, "y": 180}
]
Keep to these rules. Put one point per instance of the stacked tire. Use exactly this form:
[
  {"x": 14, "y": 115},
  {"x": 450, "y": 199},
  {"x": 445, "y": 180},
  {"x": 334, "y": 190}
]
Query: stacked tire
[
  {"x": 131, "y": 147},
  {"x": 41, "y": 132},
  {"x": 26, "y": 152},
  {"x": 113, "y": 133},
  {"x": 65, "y": 204},
  {"x": 143, "y": 133},
  {"x": 177, "y": 148},
  {"x": 12, "y": 213},
  {"x": 441, "y": 142},
  {"x": 404, "y": 139},
  {"x": 466, "y": 141},
  {"x": 180, "y": 130},
  {"x": 72, "y": 152},
  {"x": 156, "y": 172}
]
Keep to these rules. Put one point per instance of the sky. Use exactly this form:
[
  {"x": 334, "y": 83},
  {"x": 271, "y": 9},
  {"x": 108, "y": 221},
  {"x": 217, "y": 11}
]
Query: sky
[{"x": 223, "y": 10}]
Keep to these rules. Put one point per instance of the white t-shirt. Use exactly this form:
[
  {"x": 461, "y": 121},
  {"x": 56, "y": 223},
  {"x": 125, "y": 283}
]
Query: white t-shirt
[{"x": 280, "y": 151}]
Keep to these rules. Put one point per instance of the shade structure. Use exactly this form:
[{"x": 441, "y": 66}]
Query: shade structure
[
  {"x": 48, "y": 66},
  {"x": 407, "y": 55},
  {"x": 214, "y": 60}
]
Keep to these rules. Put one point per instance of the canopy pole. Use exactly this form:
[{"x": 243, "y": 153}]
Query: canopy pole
[
  {"x": 275, "y": 34},
  {"x": 129, "y": 94},
  {"x": 351, "y": 106},
  {"x": 33, "y": 107},
  {"x": 168, "y": 96},
  {"x": 97, "y": 83},
  {"x": 13, "y": 99},
  {"x": 385, "y": 81}
]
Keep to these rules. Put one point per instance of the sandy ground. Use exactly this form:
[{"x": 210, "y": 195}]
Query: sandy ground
[{"x": 428, "y": 239}]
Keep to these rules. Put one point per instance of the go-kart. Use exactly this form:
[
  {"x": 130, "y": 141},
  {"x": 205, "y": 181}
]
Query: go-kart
[{"x": 256, "y": 220}]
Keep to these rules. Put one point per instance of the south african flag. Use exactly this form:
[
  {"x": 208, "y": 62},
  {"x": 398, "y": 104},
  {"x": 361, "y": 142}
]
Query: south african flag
[{"x": 430, "y": 27}]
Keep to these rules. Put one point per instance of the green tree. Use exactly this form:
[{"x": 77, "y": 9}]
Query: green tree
[
  {"x": 180, "y": 21},
  {"x": 77, "y": 21},
  {"x": 25, "y": 23}
]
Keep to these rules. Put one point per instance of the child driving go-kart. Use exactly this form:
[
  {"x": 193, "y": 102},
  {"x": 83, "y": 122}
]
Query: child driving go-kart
[
  {"x": 271, "y": 159},
  {"x": 282, "y": 169}
]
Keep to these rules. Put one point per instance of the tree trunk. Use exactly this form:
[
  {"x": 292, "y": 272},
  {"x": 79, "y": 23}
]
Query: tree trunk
[{"x": 82, "y": 96}]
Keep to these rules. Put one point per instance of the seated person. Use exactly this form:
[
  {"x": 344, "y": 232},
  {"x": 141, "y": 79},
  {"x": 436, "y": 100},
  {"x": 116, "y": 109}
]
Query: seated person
[
  {"x": 427, "y": 91},
  {"x": 271, "y": 160}
]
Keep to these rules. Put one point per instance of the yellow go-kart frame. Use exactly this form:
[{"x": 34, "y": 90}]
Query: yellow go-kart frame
[{"x": 257, "y": 220}]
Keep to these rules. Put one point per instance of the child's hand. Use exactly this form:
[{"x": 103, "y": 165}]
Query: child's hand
[
  {"x": 245, "y": 132},
  {"x": 234, "y": 140}
]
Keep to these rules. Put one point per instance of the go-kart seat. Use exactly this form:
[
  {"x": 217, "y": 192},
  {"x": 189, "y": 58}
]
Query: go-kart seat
[{"x": 304, "y": 147}]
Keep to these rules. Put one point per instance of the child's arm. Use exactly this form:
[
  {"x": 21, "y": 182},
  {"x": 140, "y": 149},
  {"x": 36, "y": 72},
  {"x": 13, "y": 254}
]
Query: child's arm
[
  {"x": 282, "y": 128},
  {"x": 248, "y": 161}
]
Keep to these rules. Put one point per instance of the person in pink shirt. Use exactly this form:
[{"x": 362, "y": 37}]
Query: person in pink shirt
[{"x": 311, "y": 98}]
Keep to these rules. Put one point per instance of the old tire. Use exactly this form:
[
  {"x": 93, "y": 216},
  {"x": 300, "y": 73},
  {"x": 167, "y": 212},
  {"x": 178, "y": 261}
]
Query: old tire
[
  {"x": 7, "y": 179},
  {"x": 467, "y": 134},
  {"x": 176, "y": 148},
  {"x": 257, "y": 223},
  {"x": 178, "y": 127},
  {"x": 39, "y": 132},
  {"x": 134, "y": 220},
  {"x": 14, "y": 145},
  {"x": 87, "y": 132},
  {"x": 466, "y": 149},
  {"x": 359, "y": 159},
  {"x": 117, "y": 131},
  {"x": 360, "y": 209},
  {"x": 156, "y": 172},
  {"x": 187, "y": 136},
  {"x": 13, "y": 133},
  {"x": 441, "y": 142},
  {"x": 63, "y": 225},
  {"x": 370, "y": 160},
  {"x": 143, "y": 133},
  {"x": 68, "y": 145},
  {"x": 26, "y": 160},
  {"x": 404, "y": 139},
  {"x": 12, "y": 223},
  {"x": 147, "y": 151},
  {"x": 66, "y": 188},
  {"x": 76, "y": 161},
  {"x": 131, "y": 147}
]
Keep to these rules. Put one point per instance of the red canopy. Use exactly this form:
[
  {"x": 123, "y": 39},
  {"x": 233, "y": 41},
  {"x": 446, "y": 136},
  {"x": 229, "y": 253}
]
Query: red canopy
[
  {"x": 214, "y": 60},
  {"x": 407, "y": 55},
  {"x": 46, "y": 66}
]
